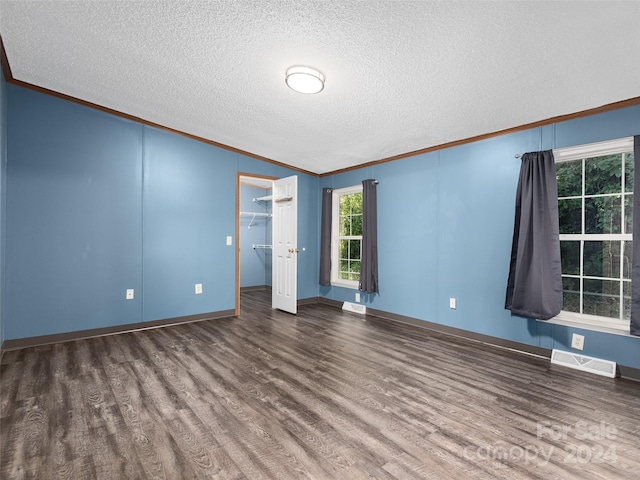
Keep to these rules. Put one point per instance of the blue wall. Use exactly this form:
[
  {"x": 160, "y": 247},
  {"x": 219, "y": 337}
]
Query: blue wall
[
  {"x": 3, "y": 183},
  {"x": 255, "y": 264},
  {"x": 74, "y": 195},
  {"x": 445, "y": 223},
  {"x": 97, "y": 204},
  {"x": 189, "y": 209}
]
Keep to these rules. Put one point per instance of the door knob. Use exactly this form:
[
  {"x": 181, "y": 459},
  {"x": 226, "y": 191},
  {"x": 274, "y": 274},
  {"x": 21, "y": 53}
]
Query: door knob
[{"x": 293, "y": 250}]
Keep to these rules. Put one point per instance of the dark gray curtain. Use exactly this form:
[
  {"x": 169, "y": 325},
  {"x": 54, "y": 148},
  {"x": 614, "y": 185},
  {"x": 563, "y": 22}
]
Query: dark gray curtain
[
  {"x": 325, "y": 237},
  {"x": 534, "y": 288},
  {"x": 635, "y": 269},
  {"x": 369, "y": 260}
]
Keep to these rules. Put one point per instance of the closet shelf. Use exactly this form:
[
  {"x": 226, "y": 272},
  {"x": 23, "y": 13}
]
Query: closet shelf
[
  {"x": 254, "y": 215},
  {"x": 261, "y": 246},
  {"x": 263, "y": 199}
]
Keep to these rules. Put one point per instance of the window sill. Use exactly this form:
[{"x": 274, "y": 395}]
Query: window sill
[
  {"x": 344, "y": 284},
  {"x": 595, "y": 325}
]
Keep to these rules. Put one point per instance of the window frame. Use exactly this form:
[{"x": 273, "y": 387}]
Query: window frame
[
  {"x": 335, "y": 236},
  {"x": 581, "y": 152}
]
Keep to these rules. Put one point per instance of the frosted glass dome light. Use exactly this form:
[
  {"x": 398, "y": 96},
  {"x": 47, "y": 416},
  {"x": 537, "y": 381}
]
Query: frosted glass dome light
[{"x": 304, "y": 80}]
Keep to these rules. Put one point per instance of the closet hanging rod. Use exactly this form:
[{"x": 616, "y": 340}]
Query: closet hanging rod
[
  {"x": 261, "y": 246},
  {"x": 256, "y": 214}
]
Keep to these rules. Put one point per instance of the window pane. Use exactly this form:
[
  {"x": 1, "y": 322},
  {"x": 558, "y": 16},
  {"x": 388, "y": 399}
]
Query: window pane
[
  {"x": 569, "y": 175},
  {"x": 602, "y": 259},
  {"x": 344, "y": 270},
  {"x": 356, "y": 203},
  {"x": 602, "y": 214},
  {"x": 603, "y": 175},
  {"x": 345, "y": 205},
  {"x": 570, "y": 215},
  {"x": 628, "y": 258},
  {"x": 354, "y": 270},
  {"x": 571, "y": 294},
  {"x": 351, "y": 204},
  {"x": 627, "y": 300},
  {"x": 348, "y": 250},
  {"x": 570, "y": 255},
  {"x": 605, "y": 184},
  {"x": 354, "y": 249},
  {"x": 343, "y": 246},
  {"x": 601, "y": 297},
  {"x": 356, "y": 225},
  {"x": 628, "y": 172},
  {"x": 345, "y": 225},
  {"x": 354, "y": 266},
  {"x": 628, "y": 214}
]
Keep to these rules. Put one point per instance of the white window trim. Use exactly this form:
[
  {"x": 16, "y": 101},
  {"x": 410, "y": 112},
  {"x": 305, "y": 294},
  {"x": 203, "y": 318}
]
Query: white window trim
[
  {"x": 598, "y": 149},
  {"x": 582, "y": 320},
  {"x": 335, "y": 228},
  {"x": 591, "y": 322}
]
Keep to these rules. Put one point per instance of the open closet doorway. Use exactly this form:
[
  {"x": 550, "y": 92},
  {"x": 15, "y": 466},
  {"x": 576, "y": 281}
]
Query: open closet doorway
[{"x": 254, "y": 250}]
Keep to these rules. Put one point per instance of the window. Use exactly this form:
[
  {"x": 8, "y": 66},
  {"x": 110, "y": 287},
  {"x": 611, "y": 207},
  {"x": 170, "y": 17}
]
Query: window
[
  {"x": 595, "y": 206},
  {"x": 346, "y": 231}
]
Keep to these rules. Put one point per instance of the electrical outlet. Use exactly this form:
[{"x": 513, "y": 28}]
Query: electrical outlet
[
  {"x": 198, "y": 288},
  {"x": 577, "y": 341},
  {"x": 452, "y": 303},
  {"x": 357, "y": 297},
  {"x": 129, "y": 295}
]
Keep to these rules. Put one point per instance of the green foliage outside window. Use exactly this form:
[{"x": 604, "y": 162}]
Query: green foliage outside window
[
  {"x": 607, "y": 203},
  {"x": 350, "y": 227}
]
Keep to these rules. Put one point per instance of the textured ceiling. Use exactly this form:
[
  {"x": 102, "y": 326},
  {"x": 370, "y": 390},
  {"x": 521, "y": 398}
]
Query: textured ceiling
[{"x": 400, "y": 76}]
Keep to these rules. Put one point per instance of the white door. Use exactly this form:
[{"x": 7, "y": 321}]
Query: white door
[{"x": 285, "y": 244}]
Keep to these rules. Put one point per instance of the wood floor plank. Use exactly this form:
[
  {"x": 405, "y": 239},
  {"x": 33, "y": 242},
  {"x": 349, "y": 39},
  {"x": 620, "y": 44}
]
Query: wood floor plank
[{"x": 321, "y": 395}]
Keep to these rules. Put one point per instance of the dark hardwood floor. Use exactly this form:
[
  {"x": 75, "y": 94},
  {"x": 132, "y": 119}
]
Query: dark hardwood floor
[{"x": 324, "y": 395}]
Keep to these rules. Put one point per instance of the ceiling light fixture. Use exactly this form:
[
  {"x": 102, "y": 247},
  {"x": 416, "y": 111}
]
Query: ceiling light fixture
[{"x": 304, "y": 79}]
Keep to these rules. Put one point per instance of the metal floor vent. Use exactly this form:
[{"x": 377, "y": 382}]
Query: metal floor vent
[
  {"x": 354, "y": 307},
  {"x": 584, "y": 363}
]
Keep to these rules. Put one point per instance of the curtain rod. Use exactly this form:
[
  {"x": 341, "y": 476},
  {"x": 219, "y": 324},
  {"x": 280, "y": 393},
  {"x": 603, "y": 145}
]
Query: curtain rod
[{"x": 517, "y": 155}]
